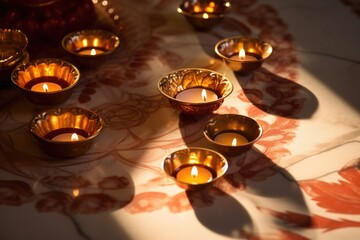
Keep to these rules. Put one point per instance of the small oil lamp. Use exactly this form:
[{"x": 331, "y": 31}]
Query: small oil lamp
[
  {"x": 204, "y": 14},
  {"x": 243, "y": 54},
  {"x": 66, "y": 132},
  {"x": 90, "y": 47},
  {"x": 46, "y": 81},
  {"x": 195, "y": 91},
  {"x": 232, "y": 134},
  {"x": 195, "y": 168}
]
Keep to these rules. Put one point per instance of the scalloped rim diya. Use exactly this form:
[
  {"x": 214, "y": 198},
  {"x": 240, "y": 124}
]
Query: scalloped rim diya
[
  {"x": 232, "y": 134},
  {"x": 204, "y": 15},
  {"x": 174, "y": 85},
  {"x": 46, "y": 81},
  {"x": 54, "y": 129},
  {"x": 208, "y": 165},
  {"x": 255, "y": 52},
  {"x": 92, "y": 44}
]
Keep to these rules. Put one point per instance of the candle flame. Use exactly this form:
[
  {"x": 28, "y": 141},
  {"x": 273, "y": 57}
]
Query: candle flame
[
  {"x": 197, "y": 9},
  {"x": 96, "y": 42},
  {"x": 93, "y": 52},
  {"x": 205, "y": 16},
  {"x": 234, "y": 142},
  {"x": 242, "y": 54},
  {"x": 45, "y": 87},
  {"x": 76, "y": 192},
  {"x": 194, "y": 171},
  {"x": 74, "y": 137},
  {"x": 210, "y": 8},
  {"x": 84, "y": 42},
  {"x": 204, "y": 95}
]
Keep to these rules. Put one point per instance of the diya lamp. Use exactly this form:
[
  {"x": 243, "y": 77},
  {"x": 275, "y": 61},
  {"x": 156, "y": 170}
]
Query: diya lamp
[
  {"x": 243, "y": 54},
  {"x": 195, "y": 168},
  {"x": 66, "y": 132},
  {"x": 13, "y": 52},
  {"x": 195, "y": 91},
  {"x": 204, "y": 14},
  {"x": 90, "y": 46},
  {"x": 232, "y": 134},
  {"x": 46, "y": 81}
]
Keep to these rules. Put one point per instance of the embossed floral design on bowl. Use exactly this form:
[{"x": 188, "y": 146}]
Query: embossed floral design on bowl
[{"x": 175, "y": 82}]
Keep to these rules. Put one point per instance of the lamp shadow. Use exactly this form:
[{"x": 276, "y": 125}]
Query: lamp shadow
[
  {"x": 254, "y": 195},
  {"x": 223, "y": 215},
  {"x": 277, "y": 95}
]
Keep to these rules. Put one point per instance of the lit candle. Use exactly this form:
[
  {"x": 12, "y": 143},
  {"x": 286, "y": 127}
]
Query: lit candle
[
  {"x": 46, "y": 87},
  {"x": 196, "y": 95},
  {"x": 92, "y": 51},
  {"x": 210, "y": 7},
  {"x": 231, "y": 139},
  {"x": 195, "y": 174},
  {"x": 68, "y": 137},
  {"x": 242, "y": 56}
]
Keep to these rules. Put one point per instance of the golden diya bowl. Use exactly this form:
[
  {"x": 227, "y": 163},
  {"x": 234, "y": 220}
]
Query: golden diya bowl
[
  {"x": 46, "y": 81},
  {"x": 66, "y": 132},
  {"x": 232, "y": 134},
  {"x": 88, "y": 45},
  {"x": 243, "y": 54},
  {"x": 13, "y": 52},
  {"x": 204, "y": 14},
  {"x": 195, "y": 91},
  {"x": 195, "y": 168}
]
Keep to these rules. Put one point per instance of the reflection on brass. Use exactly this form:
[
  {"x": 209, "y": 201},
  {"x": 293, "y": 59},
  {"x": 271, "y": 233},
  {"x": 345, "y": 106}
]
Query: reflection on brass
[
  {"x": 230, "y": 47},
  {"x": 66, "y": 118},
  {"x": 13, "y": 52},
  {"x": 245, "y": 126},
  {"x": 47, "y": 67},
  {"x": 204, "y": 14},
  {"x": 104, "y": 41},
  {"x": 195, "y": 156},
  {"x": 180, "y": 80}
]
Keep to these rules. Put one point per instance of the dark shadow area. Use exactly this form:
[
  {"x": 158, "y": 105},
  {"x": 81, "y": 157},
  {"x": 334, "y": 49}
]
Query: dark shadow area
[
  {"x": 223, "y": 215},
  {"x": 277, "y": 95},
  {"x": 256, "y": 179}
]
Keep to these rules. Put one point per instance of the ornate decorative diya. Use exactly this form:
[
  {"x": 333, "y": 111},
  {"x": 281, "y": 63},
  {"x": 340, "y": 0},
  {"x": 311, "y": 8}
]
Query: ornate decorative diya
[
  {"x": 54, "y": 129},
  {"x": 232, "y": 134},
  {"x": 89, "y": 45},
  {"x": 243, "y": 54},
  {"x": 46, "y": 81},
  {"x": 13, "y": 52},
  {"x": 175, "y": 87},
  {"x": 195, "y": 168},
  {"x": 204, "y": 14}
]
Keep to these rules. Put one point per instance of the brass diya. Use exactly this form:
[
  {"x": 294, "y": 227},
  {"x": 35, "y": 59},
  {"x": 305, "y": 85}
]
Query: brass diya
[
  {"x": 88, "y": 45},
  {"x": 13, "y": 52},
  {"x": 185, "y": 89},
  {"x": 66, "y": 132},
  {"x": 243, "y": 54},
  {"x": 204, "y": 14},
  {"x": 46, "y": 81},
  {"x": 195, "y": 168},
  {"x": 232, "y": 134}
]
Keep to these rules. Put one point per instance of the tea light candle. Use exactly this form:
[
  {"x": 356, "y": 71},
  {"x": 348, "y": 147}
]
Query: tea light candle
[
  {"x": 46, "y": 87},
  {"x": 195, "y": 174},
  {"x": 242, "y": 56},
  {"x": 196, "y": 95},
  {"x": 91, "y": 51},
  {"x": 231, "y": 139},
  {"x": 68, "y": 137}
]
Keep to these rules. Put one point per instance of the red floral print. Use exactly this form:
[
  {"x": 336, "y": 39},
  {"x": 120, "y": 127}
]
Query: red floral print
[{"x": 15, "y": 193}]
